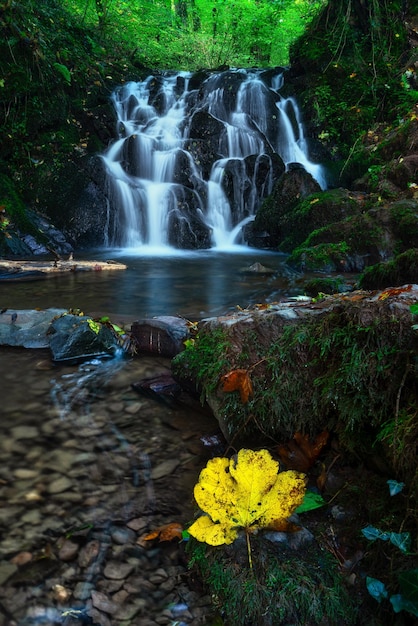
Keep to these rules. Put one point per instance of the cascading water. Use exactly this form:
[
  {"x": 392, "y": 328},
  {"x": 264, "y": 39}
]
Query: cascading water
[{"x": 195, "y": 158}]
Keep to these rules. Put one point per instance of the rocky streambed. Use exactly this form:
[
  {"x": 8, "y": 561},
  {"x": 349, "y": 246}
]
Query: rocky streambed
[{"x": 88, "y": 468}]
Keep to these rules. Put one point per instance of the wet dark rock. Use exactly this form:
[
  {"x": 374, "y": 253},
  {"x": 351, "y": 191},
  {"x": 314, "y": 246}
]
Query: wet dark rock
[
  {"x": 186, "y": 228},
  {"x": 257, "y": 268},
  {"x": 72, "y": 339},
  {"x": 203, "y": 144},
  {"x": 164, "y": 335},
  {"x": 81, "y": 204},
  {"x": 163, "y": 388},
  {"x": 271, "y": 217}
]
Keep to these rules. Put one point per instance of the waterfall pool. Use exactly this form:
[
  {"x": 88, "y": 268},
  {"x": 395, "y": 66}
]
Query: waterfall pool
[{"x": 194, "y": 285}]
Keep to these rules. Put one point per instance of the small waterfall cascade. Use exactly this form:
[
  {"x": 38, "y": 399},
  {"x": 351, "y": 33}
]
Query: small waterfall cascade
[{"x": 196, "y": 155}]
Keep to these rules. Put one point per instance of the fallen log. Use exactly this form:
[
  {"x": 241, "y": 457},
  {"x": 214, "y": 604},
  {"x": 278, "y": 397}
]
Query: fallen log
[{"x": 35, "y": 270}]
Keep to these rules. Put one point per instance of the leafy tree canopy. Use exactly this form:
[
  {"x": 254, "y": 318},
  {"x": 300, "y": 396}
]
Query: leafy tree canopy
[{"x": 188, "y": 34}]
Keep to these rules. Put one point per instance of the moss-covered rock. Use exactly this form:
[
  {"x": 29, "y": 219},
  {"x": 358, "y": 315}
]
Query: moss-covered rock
[
  {"x": 398, "y": 271},
  {"x": 337, "y": 364}
]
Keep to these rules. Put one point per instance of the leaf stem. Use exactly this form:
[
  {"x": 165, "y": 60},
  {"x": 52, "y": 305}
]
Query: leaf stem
[{"x": 250, "y": 558}]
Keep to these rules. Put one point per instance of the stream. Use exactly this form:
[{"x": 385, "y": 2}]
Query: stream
[{"x": 88, "y": 467}]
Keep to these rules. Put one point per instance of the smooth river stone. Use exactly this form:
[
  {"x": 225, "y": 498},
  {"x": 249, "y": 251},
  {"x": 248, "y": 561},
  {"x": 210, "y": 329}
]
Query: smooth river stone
[
  {"x": 164, "y": 469},
  {"x": 24, "y": 473},
  {"x": 118, "y": 571},
  {"x": 24, "y": 432},
  {"x": 59, "y": 485}
]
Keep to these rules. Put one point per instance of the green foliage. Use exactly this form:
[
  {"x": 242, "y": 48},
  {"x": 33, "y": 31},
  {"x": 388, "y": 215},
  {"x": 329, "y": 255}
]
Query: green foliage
[
  {"x": 64, "y": 71},
  {"x": 204, "y": 360},
  {"x": 407, "y": 600},
  {"x": 282, "y": 588},
  {"x": 240, "y": 33},
  {"x": 353, "y": 50}
]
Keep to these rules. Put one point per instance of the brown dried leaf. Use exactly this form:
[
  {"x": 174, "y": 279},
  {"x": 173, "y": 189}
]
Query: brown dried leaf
[
  {"x": 167, "y": 532},
  {"x": 388, "y": 293},
  {"x": 301, "y": 453},
  {"x": 238, "y": 380}
]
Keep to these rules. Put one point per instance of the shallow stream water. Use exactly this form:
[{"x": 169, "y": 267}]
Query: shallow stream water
[{"x": 87, "y": 468}]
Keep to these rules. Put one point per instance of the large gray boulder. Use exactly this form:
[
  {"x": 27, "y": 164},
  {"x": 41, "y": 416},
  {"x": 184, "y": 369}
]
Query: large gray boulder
[{"x": 26, "y": 328}]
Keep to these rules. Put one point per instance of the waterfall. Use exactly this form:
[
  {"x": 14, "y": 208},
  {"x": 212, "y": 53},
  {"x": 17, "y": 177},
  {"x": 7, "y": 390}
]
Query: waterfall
[{"x": 196, "y": 155}]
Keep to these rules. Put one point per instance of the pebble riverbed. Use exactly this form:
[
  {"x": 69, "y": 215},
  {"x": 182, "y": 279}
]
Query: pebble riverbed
[{"x": 87, "y": 468}]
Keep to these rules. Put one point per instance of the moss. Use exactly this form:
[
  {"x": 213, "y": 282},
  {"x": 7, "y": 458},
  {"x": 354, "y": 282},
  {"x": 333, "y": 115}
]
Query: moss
[
  {"x": 323, "y": 285},
  {"x": 323, "y": 256},
  {"x": 283, "y": 588},
  {"x": 317, "y": 211},
  {"x": 203, "y": 361},
  {"x": 398, "y": 271},
  {"x": 404, "y": 223}
]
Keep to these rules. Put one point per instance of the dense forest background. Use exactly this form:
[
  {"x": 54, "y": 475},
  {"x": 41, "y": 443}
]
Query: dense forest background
[{"x": 353, "y": 65}]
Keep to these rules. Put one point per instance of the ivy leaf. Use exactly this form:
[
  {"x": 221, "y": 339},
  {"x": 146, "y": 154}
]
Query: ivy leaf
[
  {"x": 414, "y": 308},
  {"x": 401, "y": 541},
  {"x": 408, "y": 582},
  {"x": 395, "y": 487},
  {"x": 376, "y": 589},
  {"x": 244, "y": 492},
  {"x": 399, "y": 603},
  {"x": 371, "y": 533},
  {"x": 408, "y": 599}
]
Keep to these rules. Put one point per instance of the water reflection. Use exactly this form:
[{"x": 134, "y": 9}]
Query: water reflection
[{"x": 189, "y": 284}]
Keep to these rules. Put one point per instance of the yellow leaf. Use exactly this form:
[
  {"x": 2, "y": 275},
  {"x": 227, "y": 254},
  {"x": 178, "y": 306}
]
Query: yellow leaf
[
  {"x": 95, "y": 326},
  {"x": 244, "y": 492}
]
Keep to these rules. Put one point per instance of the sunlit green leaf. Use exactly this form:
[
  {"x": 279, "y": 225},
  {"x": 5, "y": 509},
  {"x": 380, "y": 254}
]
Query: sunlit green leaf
[
  {"x": 94, "y": 326},
  {"x": 64, "y": 71},
  {"x": 310, "y": 502}
]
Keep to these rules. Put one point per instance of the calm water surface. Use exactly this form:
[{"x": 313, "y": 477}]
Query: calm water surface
[{"x": 194, "y": 285}]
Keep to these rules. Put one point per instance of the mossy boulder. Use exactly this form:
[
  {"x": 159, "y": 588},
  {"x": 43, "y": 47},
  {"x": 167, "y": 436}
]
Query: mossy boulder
[
  {"x": 336, "y": 364},
  {"x": 400, "y": 270},
  {"x": 316, "y": 211}
]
